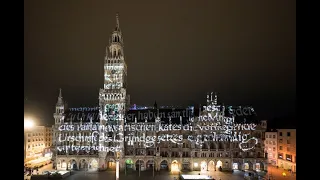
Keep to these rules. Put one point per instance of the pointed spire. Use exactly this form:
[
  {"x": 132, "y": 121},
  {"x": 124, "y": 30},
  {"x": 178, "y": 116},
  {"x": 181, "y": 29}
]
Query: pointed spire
[
  {"x": 155, "y": 105},
  {"x": 60, "y": 99},
  {"x": 117, "y": 18},
  {"x": 60, "y": 93},
  {"x": 215, "y": 99}
]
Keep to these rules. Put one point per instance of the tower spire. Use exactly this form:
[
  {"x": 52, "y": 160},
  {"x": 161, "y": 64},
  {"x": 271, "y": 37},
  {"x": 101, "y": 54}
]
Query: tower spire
[
  {"x": 117, "y": 20},
  {"x": 60, "y": 100},
  {"x": 60, "y": 93},
  {"x": 215, "y": 99}
]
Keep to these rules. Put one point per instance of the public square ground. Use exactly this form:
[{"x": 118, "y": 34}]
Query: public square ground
[{"x": 273, "y": 174}]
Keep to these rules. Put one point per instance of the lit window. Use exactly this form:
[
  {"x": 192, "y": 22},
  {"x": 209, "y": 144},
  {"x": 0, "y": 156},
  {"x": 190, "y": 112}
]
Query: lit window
[{"x": 130, "y": 143}]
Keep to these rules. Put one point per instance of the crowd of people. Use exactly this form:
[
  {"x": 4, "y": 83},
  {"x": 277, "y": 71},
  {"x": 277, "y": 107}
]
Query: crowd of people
[{"x": 30, "y": 171}]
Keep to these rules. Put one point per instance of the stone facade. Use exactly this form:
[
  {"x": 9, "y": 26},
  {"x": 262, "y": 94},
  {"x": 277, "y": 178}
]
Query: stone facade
[{"x": 113, "y": 103}]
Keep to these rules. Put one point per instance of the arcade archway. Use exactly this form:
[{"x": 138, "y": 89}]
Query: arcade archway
[
  {"x": 186, "y": 166},
  {"x": 203, "y": 166},
  {"x": 72, "y": 164},
  {"x": 111, "y": 164},
  {"x": 164, "y": 165},
  {"x": 140, "y": 165},
  {"x": 93, "y": 165},
  {"x": 62, "y": 164},
  {"x": 211, "y": 166},
  {"x": 219, "y": 165},
  {"x": 83, "y": 164},
  {"x": 235, "y": 166},
  {"x": 175, "y": 166},
  {"x": 247, "y": 166},
  {"x": 150, "y": 164},
  {"x": 129, "y": 164},
  {"x": 259, "y": 167}
]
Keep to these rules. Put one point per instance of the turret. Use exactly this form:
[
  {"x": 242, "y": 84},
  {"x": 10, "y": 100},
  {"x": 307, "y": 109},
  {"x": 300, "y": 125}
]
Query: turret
[{"x": 58, "y": 115}]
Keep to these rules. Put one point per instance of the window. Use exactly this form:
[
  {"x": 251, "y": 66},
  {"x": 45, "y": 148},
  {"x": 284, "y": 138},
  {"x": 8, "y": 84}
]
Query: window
[
  {"x": 280, "y": 155},
  {"x": 280, "y": 147},
  {"x": 274, "y": 136},
  {"x": 130, "y": 143},
  {"x": 288, "y": 134},
  {"x": 280, "y": 133},
  {"x": 274, "y": 149},
  {"x": 288, "y": 141},
  {"x": 288, "y": 157},
  {"x": 280, "y": 140}
]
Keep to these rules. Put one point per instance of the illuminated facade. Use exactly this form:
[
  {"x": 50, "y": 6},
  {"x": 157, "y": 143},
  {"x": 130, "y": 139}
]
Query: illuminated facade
[
  {"x": 287, "y": 149},
  {"x": 271, "y": 146},
  {"x": 113, "y": 111},
  {"x": 188, "y": 155},
  {"x": 37, "y": 142},
  {"x": 113, "y": 98}
]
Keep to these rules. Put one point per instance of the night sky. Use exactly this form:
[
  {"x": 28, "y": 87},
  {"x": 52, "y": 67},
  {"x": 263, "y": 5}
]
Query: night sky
[{"x": 176, "y": 52}]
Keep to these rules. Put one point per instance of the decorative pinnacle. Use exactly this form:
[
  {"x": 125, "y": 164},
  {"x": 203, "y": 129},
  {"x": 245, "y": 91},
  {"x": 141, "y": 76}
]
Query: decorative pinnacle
[
  {"x": 60, "y": 93},
  {"x": 117, "y": 18}
]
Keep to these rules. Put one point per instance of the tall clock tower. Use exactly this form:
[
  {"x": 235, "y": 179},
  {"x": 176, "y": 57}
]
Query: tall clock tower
[{"x": 113, "y": 97}]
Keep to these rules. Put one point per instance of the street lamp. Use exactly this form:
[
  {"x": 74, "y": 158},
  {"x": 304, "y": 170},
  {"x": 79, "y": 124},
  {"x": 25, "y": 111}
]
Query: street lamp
[
  {"x": 28, "y": 123},
  {"x": 117, "y": 165}
]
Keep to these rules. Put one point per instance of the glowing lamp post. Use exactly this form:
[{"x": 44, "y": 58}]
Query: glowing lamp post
[
  {"x": 28, "y": 123},
  {"x": 117, "y": 169},
  {"x": 117, "y": 166}
]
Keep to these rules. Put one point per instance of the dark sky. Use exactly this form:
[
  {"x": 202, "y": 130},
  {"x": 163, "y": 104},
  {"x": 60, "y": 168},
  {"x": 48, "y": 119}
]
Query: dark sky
[{"x": 176, "y": 52}]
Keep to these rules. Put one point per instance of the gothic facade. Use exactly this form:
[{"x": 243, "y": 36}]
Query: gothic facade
[{"x": 169, "y": 154}]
